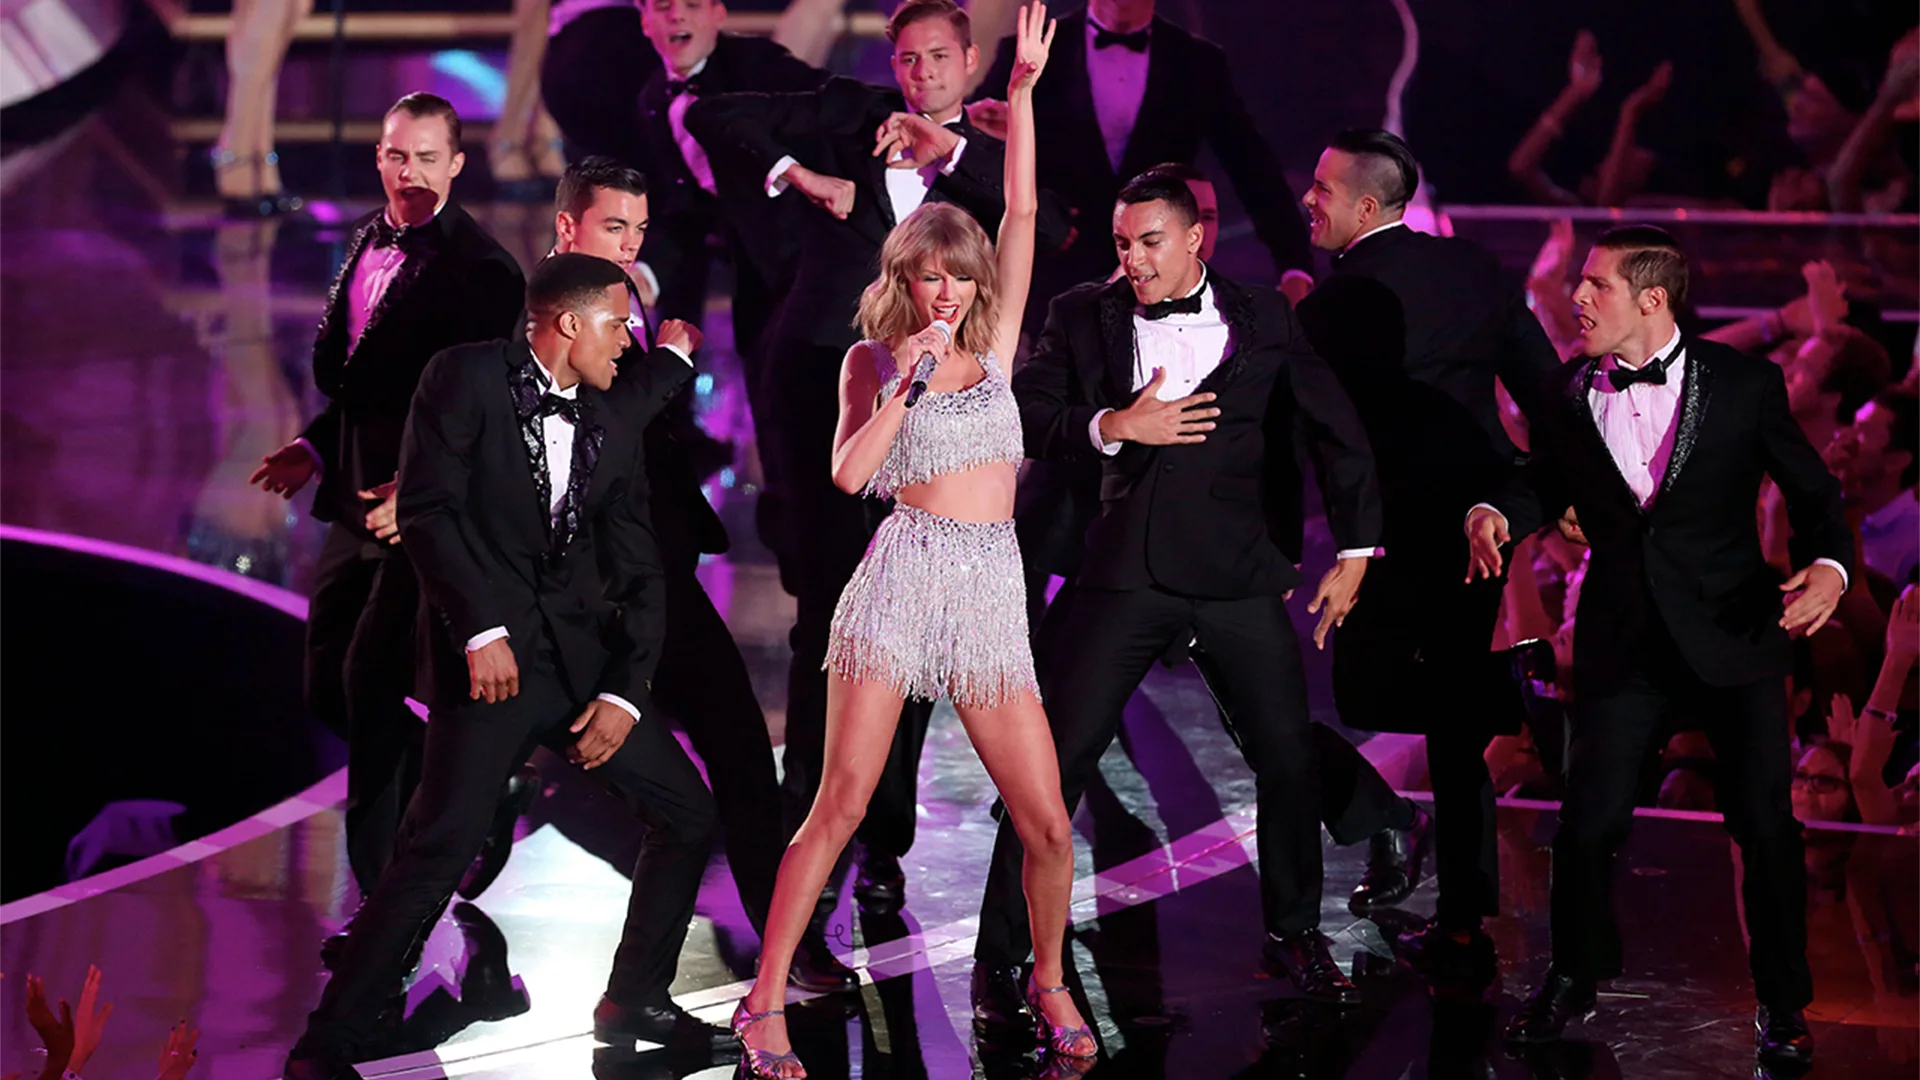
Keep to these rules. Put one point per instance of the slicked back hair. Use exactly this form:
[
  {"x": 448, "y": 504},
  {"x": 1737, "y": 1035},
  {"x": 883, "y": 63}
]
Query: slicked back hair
[
  {"x": 1385, "y": 167},
  {"x": 569, "y": 282},
  {"x": 1650, "y": 257},
  {"x": 914, "y": 11},
  {"x": 1154, "y": 185},
  {"x": 421, "y": 105},
  {"x": 588, "y": 175}
]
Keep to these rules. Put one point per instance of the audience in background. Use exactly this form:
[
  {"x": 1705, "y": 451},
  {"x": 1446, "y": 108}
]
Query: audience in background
[{"x": 70, "y": 1038}]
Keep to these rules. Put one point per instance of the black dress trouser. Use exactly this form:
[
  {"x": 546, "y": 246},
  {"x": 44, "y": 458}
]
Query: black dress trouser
[
  {"x": 360, "y": 669},
  {"x": 472, "y": 747},
  {"x": 1612, "y": 734},
  {"x": 1413, "y": 656},
  {"x": 1095, "y": 646},
  {"x": 825, "y": 532}
]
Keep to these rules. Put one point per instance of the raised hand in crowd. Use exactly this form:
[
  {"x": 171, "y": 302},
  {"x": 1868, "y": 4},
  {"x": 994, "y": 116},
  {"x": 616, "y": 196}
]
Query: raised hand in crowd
[{"x": 179, "y": 1054}]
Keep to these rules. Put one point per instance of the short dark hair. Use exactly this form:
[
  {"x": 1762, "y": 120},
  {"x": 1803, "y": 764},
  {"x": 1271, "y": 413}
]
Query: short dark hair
[
  {"x": 1387, "y": 170},
  {"x": 590, "y": 174},
  {"x": 1652, "y": 258},
  {"x": 914, "y": 11},
  {"x": 569, "y": 282},
  {"x": 1181, "y": 171},
  {"x": 421, "y": 105},
  {"x": 1153, "y": 186},
  {"x": 1903, "y": 407},
  {"x": 1860, "y": 368}
]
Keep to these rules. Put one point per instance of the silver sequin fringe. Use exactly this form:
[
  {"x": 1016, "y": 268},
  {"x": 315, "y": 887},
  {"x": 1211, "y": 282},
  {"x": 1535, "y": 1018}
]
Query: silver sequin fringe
[{"x": 937, "y": 608}]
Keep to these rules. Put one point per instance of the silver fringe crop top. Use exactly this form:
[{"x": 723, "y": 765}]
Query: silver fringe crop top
[{"x": 947, "y": 433}]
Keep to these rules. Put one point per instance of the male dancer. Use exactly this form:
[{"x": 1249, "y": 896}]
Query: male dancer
[
  {"x": 1418, "y": 328},
  {"x": 824, "y": 143},
  {"x": 420, "y": 276},
  {"x": 602, "y": 210},
  {"x": 524, "y": 498},
  {"x": 1187, "y": 387},
  {"x": 1659, "y": 440}
]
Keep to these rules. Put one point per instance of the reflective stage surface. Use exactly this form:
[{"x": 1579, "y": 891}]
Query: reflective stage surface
[{"x": 153, "y": 354}]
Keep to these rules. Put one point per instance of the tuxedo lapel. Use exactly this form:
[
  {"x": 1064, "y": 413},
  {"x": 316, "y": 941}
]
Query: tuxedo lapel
[
  {"x": 588, "y": 439},
  {"x": 1586, "y": 429},
  {"x": 1694, "y": 396},
  {"x": 334, "y": 319},
  {"x": 1116, "y": 339}
]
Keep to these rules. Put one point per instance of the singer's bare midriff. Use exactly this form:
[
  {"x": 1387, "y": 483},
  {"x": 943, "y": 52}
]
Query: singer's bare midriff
[{"x": 982, "y": 494}]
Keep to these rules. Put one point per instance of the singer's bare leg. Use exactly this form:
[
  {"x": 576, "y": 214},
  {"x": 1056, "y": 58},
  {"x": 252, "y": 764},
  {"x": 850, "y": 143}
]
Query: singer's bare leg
[{"x": 860, "y": 722}]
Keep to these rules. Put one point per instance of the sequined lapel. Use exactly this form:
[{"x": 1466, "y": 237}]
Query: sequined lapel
[
  {"x": 1116, "y": 339},
  {"x": 342, "y": 282},
  {"x": 1693, "y": 410},
  {"x": 1236, "y": 310}
]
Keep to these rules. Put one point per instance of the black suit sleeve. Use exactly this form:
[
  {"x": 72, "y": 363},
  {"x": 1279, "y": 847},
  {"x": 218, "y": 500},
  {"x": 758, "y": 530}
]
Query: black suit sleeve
[
  {"x": 499, "y": 292},
  {"x": 975, "y": 184},
  {"x": 1814, "y": 509},
  {"x": 1335, "y": 440},
  {"x": 644, "y": 388},
  {"x": 436, "y": 462},
  {"x": 1537, "y": 492},
  {"x": 760, "y": 129},
  {"x": 778, "y": 71},
  {"x": 323, "y": 434},
  {"x": 1055, "y": 406},
  {"x": 1527, "y": 358},
  {"x": 636, "y": 583},
  {"x": 1250, "y": 163}
]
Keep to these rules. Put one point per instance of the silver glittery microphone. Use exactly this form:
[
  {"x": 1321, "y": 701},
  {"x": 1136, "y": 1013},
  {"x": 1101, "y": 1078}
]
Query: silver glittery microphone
[{"x": 923, "y": 370}]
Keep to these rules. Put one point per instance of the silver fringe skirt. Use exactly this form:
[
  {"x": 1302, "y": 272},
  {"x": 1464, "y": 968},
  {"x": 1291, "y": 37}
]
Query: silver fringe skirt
[{"x": 937, "y": 607}]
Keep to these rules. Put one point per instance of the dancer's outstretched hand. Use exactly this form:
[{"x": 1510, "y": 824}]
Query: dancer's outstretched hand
[
  {"x": 1033, "y": 42},
  {"x": 1339, "y": 591}
]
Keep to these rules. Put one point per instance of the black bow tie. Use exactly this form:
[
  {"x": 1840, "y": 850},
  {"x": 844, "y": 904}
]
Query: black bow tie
[
  {"x": 554, "y": 405},
  {"x": 676, "y": 87},
  {"x": 1103, "y": 37},
  {"x": 1653, "y": 372},
  {"x": 1185, "y": 305}
]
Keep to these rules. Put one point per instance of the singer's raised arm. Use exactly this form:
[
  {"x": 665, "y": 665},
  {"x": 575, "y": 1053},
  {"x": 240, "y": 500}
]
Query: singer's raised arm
[{"x": 1014, "y": 249}]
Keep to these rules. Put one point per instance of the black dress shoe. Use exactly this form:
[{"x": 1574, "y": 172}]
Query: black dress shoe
[
  {"x": 487, "y": 990},
  {"x": 333, "y": 947},
  {"x": 1306, "y": 959},
  {"x": 814, "y": 968},
  {"x": 998, "y": 1001},
  {"x": 881, "y": 886},
  {"x": 1441, "y": 956},
  {"x": 1560, "y": 1000},
  {"x": 515, "y": 799},
  {"x": 1393, "y": 865},
  {"x": 1781, "y": 1037},
  {"x": 668, "y": 1025},
  {"x": 318, "y": 1066}
]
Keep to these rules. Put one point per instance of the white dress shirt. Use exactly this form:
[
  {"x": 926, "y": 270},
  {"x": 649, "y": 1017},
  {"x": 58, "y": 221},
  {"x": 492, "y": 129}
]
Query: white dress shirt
[
  {"x": 1640, "y": 425},
  {"x": 1118, "y": 77},
  {"x": 906, "y": 188},
  {"x": 691, "y": 151},
  {"x": 1189, "y": 348},
  {"x": 559, "y": 434}
]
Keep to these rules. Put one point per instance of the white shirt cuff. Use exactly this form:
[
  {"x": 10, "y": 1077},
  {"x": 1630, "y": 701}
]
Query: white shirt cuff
[
  {"x": 1846, "y": 582},
  {"x": 1362, "y": 553},
  {"x": 652, "y": 280},
  {"x": 485, "y": 638},
  {"x": 679, "y": 352},
  {"x": 953, "y": 159},
  {"x": 776, "y": 185},
  {"x": 318, "y": 464},
  {"x": 1093, "y": 435},
  {"x": 625, "y": 705},
  {"x": 1482, "y": 506}
]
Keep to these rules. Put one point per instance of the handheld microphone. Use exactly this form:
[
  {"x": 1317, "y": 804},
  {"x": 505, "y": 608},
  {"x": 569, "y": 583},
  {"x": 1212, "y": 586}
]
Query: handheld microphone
[{"x": 923, "y": 370}]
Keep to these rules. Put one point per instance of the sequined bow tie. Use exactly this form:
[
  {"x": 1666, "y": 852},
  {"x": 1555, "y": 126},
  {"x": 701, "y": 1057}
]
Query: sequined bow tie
[
  {"x": 676, "y": 87},
  {"x": 1185, "y": 305},
  {"x": 1653, "y": 373},
  {"x": 1103, "y": 38},
  {"x": 555, "y": 405}
]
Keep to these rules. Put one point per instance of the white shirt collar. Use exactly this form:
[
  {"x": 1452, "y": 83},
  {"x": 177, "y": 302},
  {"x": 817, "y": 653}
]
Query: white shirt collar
[
  {"x": 1355, "y": 242},
  {"x": 697, "y": 69},
  {"x": 1664, "y": 350},
  {"x": 546, "y": 379}
]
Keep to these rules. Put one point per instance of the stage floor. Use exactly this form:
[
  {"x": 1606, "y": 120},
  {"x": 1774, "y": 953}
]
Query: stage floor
[{"x": 154, "y": 353}]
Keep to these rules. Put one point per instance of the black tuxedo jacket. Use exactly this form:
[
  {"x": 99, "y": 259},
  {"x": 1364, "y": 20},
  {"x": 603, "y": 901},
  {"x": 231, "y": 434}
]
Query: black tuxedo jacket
[
  {"x": 457, "y": 286},
  {"x": 831, "y": 131},
  {"x": 1418, "y": 327},
  {"x": 766, "y": 230},
  {"x": 1190, "y": 100},
  {"x": 684, "y": 521},
  {"x": 1212, "y": 519},
  {"x": 471, "y": 519},
  {"x": 1694, "y": 555}
]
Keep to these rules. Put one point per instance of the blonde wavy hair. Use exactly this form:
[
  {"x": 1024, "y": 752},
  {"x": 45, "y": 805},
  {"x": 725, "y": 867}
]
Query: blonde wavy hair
[{"x": 935, "y": 235}]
